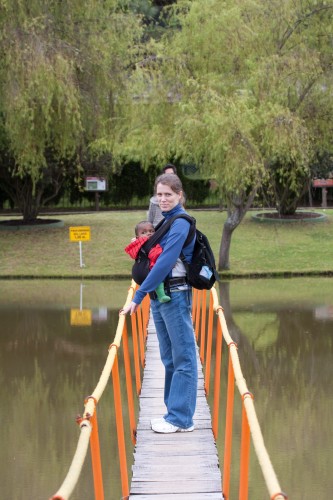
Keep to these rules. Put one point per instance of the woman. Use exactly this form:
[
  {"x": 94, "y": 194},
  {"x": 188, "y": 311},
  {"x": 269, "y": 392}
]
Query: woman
[
  {"x": 154, "y": 212},
  {"x": 173, "y": 319}
]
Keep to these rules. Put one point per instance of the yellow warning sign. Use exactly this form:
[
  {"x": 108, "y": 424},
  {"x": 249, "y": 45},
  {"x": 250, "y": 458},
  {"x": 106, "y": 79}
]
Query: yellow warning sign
[
  {"x": 79, "y": 233},
  {"x": 81, "y": 317}
]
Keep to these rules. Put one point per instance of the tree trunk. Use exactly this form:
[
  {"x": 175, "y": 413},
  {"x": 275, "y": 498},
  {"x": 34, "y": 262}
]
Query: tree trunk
[
  {"x": 29, "y": 209},
  {"x": 240, "y": 205},
  {"x": 225, "y": 248},
  {"x": 310, "y": 195},
  {"x": 233, "y": 220},
  {"x": 29, "y": 198}
]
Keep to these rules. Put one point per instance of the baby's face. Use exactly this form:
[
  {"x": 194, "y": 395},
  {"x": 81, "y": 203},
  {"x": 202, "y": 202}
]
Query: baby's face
[{"x": 146, "y": 230}]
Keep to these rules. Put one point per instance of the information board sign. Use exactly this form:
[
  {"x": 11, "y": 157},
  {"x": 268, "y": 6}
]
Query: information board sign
[
  {"x": 322, "y": 183},
  {"x": 95, "y": 184},
  {"x": 79, "y": 233}
]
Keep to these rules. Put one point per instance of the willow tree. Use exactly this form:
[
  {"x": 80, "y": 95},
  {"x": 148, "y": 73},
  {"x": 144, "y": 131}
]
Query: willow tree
[
  {"x": 63, "y": 66},
  {"x": 295, "y": 75},
  {"x": 230, "y": 87}
]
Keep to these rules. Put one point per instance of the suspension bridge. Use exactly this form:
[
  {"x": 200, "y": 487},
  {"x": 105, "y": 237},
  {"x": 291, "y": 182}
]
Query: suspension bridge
[{"x": 181, "y": 465}]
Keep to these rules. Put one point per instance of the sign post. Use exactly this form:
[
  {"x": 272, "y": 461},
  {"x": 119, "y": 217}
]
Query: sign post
[
  {"x": 80, "y": 233},
  {"x": 97, "y": 185}
]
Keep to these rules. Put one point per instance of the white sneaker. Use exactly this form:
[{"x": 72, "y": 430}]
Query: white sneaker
[
  {"x": 156, "y": 420},
  {"x": 163, "y": 427}
]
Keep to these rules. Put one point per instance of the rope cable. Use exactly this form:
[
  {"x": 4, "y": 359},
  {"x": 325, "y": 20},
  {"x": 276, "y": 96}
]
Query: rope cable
[{"x": 75, "y": 469}]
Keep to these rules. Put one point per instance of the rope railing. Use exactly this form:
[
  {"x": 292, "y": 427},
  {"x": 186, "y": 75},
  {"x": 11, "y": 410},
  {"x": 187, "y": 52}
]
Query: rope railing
[
  {"x": 250, "y": 424},
  {"x": 88, "y": 422},
  {"x": 203, "y": 328}
]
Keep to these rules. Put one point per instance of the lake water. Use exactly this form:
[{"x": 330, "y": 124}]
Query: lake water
[{"x": 51, "y": 358}]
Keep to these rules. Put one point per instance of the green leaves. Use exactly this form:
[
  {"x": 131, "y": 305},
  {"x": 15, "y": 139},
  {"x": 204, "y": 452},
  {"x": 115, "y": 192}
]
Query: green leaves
[{"x": 63, "y": 69}]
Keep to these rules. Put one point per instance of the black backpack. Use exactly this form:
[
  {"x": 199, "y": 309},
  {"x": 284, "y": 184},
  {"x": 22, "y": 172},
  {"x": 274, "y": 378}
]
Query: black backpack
[{"x": 201, "y": 272}]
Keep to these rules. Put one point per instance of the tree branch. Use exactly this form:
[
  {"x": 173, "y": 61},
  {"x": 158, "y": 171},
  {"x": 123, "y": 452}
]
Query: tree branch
[
  {"x": 304, "y": 94},
  {"x": 287, "y": 34}
]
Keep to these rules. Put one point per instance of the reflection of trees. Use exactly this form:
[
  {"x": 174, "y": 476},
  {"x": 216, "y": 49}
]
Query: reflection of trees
[
  {"x": 234, "y": 330},
  {"x": 47, "y": 368},
  {"x": 302, "y": 350},
  {"x": 290, "y": 380}
]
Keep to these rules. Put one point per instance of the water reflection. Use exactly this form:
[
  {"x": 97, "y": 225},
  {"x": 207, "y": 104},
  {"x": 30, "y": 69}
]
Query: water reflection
[
  {"x": 49, "y": 364},
  {"x": 52, "y": 353},
  {"x": 284, "y": 332}
]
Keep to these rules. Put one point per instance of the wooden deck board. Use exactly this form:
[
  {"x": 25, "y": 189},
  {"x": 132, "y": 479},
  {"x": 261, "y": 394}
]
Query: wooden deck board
[
  {"x": 180, "y": 496},
  {"x": 180, "y": 465}
]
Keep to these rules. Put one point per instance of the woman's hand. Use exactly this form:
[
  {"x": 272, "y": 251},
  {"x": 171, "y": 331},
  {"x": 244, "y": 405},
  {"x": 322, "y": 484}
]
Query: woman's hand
[{"x": 131, "y": 308}]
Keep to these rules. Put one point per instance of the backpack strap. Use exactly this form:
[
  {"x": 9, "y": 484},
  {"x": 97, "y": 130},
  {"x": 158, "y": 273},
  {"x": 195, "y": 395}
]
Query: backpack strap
[
  {"x": 164, "y": 226},
  {"x": 192, "y": 231}
]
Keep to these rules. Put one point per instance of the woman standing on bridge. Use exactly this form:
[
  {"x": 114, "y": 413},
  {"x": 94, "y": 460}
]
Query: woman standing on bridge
[{"x": 173, "y": 319}]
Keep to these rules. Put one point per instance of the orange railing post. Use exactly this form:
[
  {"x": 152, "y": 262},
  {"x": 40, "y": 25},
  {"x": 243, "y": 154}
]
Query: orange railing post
[
  {"x": 145, "y": 314},
  {"x": 197, "y": 315},
  {"x": 120, "y": 429},
  {"x": 203, "y": 326},
  {"x": 209, "y": 343},
  {"x": 129, "y": 386},
  {"x": 217, "y": 379},
  {"x": 141, "y": 336},
  {"x": 96, "y": 459},
  {"x": 228, "y": 429},
  {"x": 194, "y": 302},
  {"x": 244, "y": 455},
  {"x": 136, "y": 354}
]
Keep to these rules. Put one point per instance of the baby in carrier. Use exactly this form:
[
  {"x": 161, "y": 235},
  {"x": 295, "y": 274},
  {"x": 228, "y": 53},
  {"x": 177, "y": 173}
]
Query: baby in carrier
[{"x": 143, "y": 231}]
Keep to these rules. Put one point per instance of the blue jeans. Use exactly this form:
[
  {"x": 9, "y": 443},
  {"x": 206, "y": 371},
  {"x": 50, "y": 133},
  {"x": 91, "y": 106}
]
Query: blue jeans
[{"x": 178, "y": 354}]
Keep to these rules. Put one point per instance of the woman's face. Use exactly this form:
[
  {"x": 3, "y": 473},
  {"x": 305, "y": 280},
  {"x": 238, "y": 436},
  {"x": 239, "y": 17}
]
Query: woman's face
[{"x": 167, "y": 199}]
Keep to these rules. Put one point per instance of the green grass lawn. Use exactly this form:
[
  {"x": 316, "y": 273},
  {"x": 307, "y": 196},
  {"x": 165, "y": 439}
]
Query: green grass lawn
[{"x": 256, "y": 248}]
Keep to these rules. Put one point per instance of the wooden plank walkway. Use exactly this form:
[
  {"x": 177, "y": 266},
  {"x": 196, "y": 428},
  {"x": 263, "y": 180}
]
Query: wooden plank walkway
[{"x": 181, "y": 465}]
